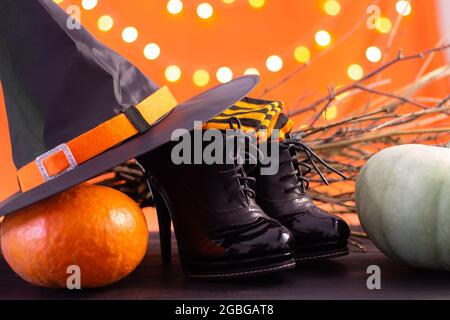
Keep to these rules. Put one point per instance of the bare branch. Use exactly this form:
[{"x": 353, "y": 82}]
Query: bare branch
[{"x": 400, "y": 57}]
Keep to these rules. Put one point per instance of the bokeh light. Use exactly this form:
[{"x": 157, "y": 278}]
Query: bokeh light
[
  {"x": 323, "y": 38},
  {"x": 274, "y": 63},
  {"x": 302, "y": 54},
  {"x": 130, "y": 34},
  {"x": 330, "y": 113},
  {"x": 251, "y": 71},
  {"x": 58, "y": 1},
  {"x": 257, "y": 3},
  {"x": 200, "y": 78},
  {"x": 383, "y": 24},
  {"x": 174, "y": 6},
  {"x": 105, "y": 23},
  {"x": 228, "y": 1},
  {"x": 373, "y": 54},
  {"x": 403, "y": 7},
  {"x": 224, "y": 74},
  {"x": 89, "y": 4},
  {"x": 152, "y": 51},
  {"x": 173, "y": 73},
  {"x": 332, "y": 7},
  {"x": 205, "y": 10},
  {"x": 355, "y": 72}
]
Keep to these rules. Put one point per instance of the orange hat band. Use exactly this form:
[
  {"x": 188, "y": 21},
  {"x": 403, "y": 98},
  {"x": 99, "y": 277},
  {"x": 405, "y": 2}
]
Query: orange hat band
[{"x": 108, "y": 134}]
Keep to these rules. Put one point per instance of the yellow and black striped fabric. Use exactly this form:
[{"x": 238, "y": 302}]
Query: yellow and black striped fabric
[{"x": 261, "y": 116}]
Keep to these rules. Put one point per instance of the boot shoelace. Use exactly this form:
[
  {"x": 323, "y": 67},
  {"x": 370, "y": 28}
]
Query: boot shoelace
[
  {"x": 244, "y": 181},
  {"x": 311, "y": 156},
  {"x": 292, "y": 144}
]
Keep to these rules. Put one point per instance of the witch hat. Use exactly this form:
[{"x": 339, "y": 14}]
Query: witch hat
[{"x": 76, "y": 108}]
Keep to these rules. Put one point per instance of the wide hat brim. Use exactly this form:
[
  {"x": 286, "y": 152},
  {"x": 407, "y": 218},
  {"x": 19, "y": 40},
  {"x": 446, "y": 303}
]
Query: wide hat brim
[{"x": 202, "y": 107}]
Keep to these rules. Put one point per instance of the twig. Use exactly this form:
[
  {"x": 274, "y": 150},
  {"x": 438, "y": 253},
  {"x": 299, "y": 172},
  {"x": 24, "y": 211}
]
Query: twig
[
  {"x": 311, "y": 131},
  {"x": 439, "y": 108},
  {"x": 431, "y": 56},
  {"x": 357, "y": 244},
  {"x": 410, "y": 89},
  {"x": 390, "y": 95},
  {"x": 372, "y": 137},
  {"x": 331, "y": 96},
  {"x": 359, "y": 234}
]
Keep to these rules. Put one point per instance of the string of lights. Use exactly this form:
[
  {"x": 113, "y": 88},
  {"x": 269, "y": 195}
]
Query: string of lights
[{"x": 273, "y": 63}]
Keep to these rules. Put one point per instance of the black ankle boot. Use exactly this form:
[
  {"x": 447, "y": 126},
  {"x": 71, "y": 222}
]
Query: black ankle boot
[
  {"x": 283, "y": 196},
  {"x": 221, "y": 232}
]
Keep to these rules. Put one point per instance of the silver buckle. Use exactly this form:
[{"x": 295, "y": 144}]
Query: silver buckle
[{"x": 69, "y": 156}]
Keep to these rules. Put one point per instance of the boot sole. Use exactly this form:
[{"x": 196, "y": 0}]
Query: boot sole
[
  {"x": 323, "y": 254},
  {"x": 246, "y": 268}
]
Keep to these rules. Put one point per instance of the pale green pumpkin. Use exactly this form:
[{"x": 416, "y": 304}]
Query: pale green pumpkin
[{"x": 403, "y": 203}]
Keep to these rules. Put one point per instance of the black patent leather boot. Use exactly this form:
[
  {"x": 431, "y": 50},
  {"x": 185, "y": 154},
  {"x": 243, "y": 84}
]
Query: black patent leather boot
[
  {"x": 284, "y": 197},
  {"x": 221, "y": 232}
]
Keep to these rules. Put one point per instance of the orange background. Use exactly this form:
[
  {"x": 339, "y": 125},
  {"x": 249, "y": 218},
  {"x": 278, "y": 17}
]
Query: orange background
[{"x": 239, "y": 36}]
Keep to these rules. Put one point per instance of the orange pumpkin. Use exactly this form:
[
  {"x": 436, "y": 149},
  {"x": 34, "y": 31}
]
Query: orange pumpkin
[{"x": 97, "y": 229}]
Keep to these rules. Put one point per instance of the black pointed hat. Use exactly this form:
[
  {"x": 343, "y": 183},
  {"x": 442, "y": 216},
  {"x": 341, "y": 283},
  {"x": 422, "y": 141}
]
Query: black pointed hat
[{"x": 76, "y": 108}]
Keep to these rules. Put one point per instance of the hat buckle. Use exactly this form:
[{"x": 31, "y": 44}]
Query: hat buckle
[{"x": 61, "y": 148}]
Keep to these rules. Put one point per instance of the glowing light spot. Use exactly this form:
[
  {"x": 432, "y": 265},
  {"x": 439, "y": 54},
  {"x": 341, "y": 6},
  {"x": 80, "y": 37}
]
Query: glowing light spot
[
  {"x": 130, "y": 34},
  {"x": 403, "y": 7},
  {"x": 330, "y": 113},
  {"x": 152, "y": 51},
  {"x": 173, "y": 73},
  {"x": 228, "y": 1},
  {"x": 274, "y": 63},
  {"x": 302, "y": 54},
  {"x": 205, "y": 10},
  {"x": 174, "y": 6},
  {"x": 355, "y": 72},
  {"x": 332, "y": 7},
  {"x": 89, "y": 4},
  {"x": 373, "y": 54},
  {"x": 224, "y": 74},
  {"x": 323, "y": 38},
  {"x": 105, "y": 23},
  {"x": 257, "y": 3},
  {"x": 201, "y": 78},
  {"x": 58, "y": 1},
  {"x": 251, "y": 71},
  {"x": 383, "y": 24}
]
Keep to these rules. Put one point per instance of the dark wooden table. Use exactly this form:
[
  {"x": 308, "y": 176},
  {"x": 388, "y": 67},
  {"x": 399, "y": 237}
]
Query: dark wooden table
[{"x": 342, "y": 278}]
